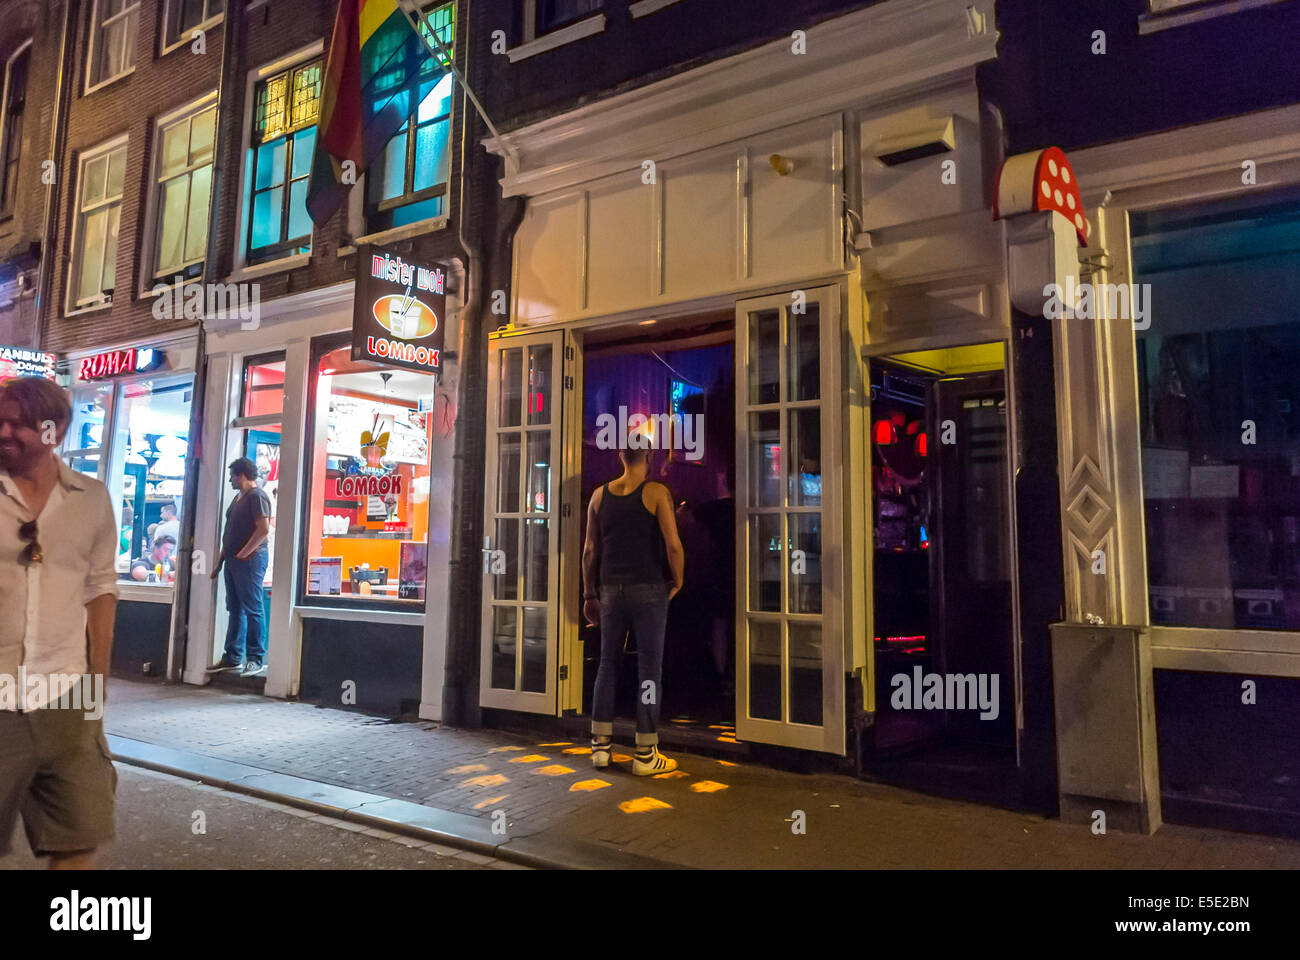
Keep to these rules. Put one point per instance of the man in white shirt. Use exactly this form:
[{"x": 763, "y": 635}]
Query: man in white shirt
[{"x": 58, "y": 589}]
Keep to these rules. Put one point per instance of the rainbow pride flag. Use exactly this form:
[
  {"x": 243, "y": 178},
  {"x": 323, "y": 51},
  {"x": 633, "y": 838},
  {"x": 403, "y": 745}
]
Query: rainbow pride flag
[{"x": 377, "y": 63}]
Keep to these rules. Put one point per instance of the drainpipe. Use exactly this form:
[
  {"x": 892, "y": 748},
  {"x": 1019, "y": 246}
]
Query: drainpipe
[
  {"x": 45, "y": 271},
  {"x": 458, "y": 707},
  {"x": 179, "y": 646},
  {"x": 464, "y": 630}
]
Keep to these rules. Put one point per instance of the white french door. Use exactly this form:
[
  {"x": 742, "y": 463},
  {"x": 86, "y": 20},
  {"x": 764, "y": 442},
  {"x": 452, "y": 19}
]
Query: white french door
[
  {"x": 790, "y": 684},
  {"x": 521, "y": 523}
]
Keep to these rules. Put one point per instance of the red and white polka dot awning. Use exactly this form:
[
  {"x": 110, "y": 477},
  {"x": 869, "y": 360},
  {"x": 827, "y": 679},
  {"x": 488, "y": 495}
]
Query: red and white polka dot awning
[{"x": 1041, "y": 180}]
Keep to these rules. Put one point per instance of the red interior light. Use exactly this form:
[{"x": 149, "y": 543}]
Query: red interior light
[{"x": 884, "y": 433}]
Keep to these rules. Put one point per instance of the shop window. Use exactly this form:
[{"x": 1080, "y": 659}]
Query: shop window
[
  {"x": 112, "y": 43},
  {"x": 368, "y": 502},
  {"x": 152, "y": 424},
  {"x": 15, "y": 105},
  {"x": 134, "y": 436},
  {"x": 1220, "y": 410},
  {"x": 99, "y": 208},
  {"x": 408, "y": 183},
  {"x": 184, "y": 191},
  {"x": 284, "y": 138},
  {"x": 84, "y": 441},
  {"x": 186, "y": 16}
]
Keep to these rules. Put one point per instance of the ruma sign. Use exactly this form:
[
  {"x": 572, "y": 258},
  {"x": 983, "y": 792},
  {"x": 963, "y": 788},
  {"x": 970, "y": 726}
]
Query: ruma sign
[
  {"x": 116, "y": 363},
  {"x": 399, "y": 312}
]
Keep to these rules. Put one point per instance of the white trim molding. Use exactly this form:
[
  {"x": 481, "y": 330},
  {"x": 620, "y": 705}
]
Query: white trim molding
[
  {"x": 1217, "y": 147},
  {"x": 558, "y": 38},
  {"x": 643, "y": 8},
  {"x": 882, "y": 51},
  {"x": 1175, "y": 13}
]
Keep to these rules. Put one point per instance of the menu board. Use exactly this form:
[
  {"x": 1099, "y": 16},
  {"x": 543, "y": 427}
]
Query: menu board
[{"x": 325, "y": 575}]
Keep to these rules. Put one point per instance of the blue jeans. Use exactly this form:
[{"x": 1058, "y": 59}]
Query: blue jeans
[
  {"x": 244, "y": 602},
  {"x": 643, "y": 609}
]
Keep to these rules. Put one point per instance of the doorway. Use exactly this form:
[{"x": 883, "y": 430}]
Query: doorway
[
  {"x": 944, "y": 644},
  {"x": 687, "y": 371}
]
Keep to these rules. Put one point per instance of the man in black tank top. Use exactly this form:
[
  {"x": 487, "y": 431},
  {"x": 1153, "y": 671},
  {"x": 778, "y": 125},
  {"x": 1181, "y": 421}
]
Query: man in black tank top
[{"x": 635, "y": 557}]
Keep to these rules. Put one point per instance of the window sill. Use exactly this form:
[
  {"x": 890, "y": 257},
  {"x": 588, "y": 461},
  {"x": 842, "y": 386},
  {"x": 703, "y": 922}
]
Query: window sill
[
  {"x": 1174, "y": 17},
  {"x": 284, "y": 264},
  {"x": 88, "y": 308},
  {"x": 369, "y": 614},
  {"x": 204, "y": 27},
  {"x": 643, "y": 8},
  {"x": 110, "y": 81},
  {"x": 141, "y": 592},
  {"x": 396, "y": 234},
  {"x": 558, "y": 38}
]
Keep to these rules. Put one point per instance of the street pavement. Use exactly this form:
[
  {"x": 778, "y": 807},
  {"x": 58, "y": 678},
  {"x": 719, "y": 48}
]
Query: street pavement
[
  {"x": 158, "y": 817},
  {"x": 709, "y": 814}
]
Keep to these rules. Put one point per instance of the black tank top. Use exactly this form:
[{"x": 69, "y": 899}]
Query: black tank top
[{"x": 632, "y": 547}]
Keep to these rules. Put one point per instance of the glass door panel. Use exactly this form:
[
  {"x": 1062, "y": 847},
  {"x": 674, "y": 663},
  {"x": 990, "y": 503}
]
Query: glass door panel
[
  {"x": 520, "y": 615},
  {"x": 790, "y": 683}
]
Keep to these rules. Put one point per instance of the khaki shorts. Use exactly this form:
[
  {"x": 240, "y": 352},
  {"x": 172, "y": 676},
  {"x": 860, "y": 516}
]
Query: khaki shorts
[{"x": 56, "y": 770}]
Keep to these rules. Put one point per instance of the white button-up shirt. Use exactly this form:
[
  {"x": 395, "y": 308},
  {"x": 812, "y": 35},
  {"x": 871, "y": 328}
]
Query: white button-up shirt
[{"x": 43, "y": 605}]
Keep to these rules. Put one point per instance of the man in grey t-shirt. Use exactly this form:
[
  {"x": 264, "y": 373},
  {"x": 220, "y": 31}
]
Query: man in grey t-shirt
[{"x": 244, "y": 554}]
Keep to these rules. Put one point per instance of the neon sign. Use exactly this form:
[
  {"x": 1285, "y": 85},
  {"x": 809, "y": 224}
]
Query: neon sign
[
  {"x": 368, "y": 486},
  {"x": 115, "y": 363}
]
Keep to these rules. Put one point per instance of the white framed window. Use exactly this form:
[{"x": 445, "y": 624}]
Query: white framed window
[
  {"x": 11, "y": 128},
  {"x": 182, "y": 191},
  {"x": 543, "y": 16},
  {"x": 93, "y": 265},
  {"x": 408, "y": 183},
  {"x": 113, "y": 28},
  {"x": 553, "y": 23},
  {"x": 182, "y": 17}
]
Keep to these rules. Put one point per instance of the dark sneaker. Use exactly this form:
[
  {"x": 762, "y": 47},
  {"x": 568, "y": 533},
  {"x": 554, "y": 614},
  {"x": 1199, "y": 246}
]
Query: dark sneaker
[
  {"x": 253, "y": 669},
  {"x": 225, "y": 666}
]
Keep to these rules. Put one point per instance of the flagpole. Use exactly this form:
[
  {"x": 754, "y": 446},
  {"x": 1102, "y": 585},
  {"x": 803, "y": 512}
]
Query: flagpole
[{"x": 455, "y": 71}]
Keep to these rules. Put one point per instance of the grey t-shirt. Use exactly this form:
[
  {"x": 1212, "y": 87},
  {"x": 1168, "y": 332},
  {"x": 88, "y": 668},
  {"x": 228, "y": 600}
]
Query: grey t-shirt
[{"x": 241, "y": 518}]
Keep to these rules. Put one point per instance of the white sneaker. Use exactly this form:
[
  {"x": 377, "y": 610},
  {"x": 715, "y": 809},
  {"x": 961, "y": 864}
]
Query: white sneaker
[
  {"x": 652, "y": 764},
  {"x": 600, "y": 754}
]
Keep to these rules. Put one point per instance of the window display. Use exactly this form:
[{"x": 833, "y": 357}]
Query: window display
[
  {"x": 1220, "y": 407},
  {"x": 134, "y": 436},
  {"x": 367, "y": 519},
  {"x": 152, "y": 432}
]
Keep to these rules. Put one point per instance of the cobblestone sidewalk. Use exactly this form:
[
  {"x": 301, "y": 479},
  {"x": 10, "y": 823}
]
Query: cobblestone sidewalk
[{"x": 710, "y": 813}]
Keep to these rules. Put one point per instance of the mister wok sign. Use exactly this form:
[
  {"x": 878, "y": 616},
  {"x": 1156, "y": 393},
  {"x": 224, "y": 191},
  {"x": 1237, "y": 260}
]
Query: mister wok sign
[{"x": 399, "y": 311}]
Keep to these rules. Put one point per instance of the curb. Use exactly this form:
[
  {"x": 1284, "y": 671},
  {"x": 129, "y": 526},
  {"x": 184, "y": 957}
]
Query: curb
[{"x": 529, "y": 849}]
